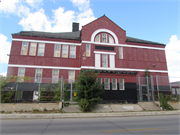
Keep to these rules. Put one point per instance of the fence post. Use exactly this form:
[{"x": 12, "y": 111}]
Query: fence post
[
  {"x": 140, "y": 93},
  {"x": 152, "y": 86},
  {"x": 39, "y": 92},
  {"x": 61, "y": 89},
  {"x": 157, "y": 85},
  {"x": 147, "y": 87},
  {"x": 71, "y": 92},
  {"x": 15, "y": 93}
]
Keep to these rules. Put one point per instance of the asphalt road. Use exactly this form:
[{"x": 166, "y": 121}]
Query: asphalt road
[{"x": 168, "y": 124}]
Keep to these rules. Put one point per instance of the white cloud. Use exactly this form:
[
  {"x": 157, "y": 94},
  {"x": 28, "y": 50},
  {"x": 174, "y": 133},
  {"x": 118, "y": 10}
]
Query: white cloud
[
  {"x": 5, "y": 49},
  {"x": 83, "y": 5},
  {"x": 61, "y": 20},
  {"x": 36, "y": 21},
  {"x": 173, "y": 58},
  {"x": 34, "y": 3},
  {"x": 3, "y": 74},
  {"x": 8, "y": 6}
]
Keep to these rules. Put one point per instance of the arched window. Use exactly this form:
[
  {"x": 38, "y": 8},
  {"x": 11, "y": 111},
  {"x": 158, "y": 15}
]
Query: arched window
[
  {"x": 111, "y": 40},
  {"x": 97, "y": 39},
  {"x": 104, "y": 38}
]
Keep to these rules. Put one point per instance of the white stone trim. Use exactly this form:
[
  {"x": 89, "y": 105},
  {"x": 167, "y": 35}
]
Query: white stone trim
[
  {"x": 124, "y": 45},
  {"x": 49, "y": 67},
  {"x": 41, "y": 41},
  {"x": 104, "y": 30},
  {"x": 86, "y": 67},
  {"x": 113, "y": 53},
  {"x": 122, "y": 69}
]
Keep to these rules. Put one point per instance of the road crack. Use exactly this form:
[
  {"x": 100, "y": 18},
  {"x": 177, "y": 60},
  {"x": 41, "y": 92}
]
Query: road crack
[{"x": 47, "y": 126}]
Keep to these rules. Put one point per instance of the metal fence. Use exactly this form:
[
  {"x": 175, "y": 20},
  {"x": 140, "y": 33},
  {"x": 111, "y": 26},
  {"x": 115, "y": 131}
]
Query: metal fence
[
  {"x": 56, "y": 90},
  {"x": 30, "y": 91},
  {"x": 149, "y": 88}
]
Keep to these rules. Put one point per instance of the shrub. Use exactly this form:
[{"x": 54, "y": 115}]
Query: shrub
[
  {"x": 88, "y": 90},
  {"x": 164, "y": 102}
]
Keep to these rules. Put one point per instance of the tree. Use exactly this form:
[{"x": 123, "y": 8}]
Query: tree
[{"x": 88, "y": 90}]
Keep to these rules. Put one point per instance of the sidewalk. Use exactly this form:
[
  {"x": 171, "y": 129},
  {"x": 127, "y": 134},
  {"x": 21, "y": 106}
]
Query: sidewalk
[{"x": 86, "y": 115}]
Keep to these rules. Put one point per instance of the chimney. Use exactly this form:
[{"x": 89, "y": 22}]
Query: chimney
[{"x": 75, "y": 27}]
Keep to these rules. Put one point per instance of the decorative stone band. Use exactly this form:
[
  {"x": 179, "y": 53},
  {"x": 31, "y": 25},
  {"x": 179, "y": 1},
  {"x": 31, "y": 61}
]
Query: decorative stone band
[{"x": 87, "y": 67}]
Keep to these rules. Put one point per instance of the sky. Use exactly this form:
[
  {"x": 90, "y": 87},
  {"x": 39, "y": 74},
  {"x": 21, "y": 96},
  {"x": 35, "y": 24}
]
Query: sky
[{"x": 153, "y": 20}]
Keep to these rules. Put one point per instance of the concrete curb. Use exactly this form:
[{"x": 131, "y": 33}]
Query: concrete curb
[{"x": 85, "y": 115}]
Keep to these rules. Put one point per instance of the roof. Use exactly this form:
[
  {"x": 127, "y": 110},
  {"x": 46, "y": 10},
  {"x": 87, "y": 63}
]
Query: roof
[
  {"x": 73, "y": 36},
  {"x": 136, "y": 40},
  {"x": 63, "y": 35}
]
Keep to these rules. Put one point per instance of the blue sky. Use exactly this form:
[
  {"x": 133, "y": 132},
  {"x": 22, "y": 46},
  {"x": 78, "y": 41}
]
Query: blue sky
[{"x": 153, "y": 20}]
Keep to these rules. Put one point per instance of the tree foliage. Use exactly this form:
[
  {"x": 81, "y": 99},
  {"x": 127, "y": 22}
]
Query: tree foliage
[{"x": 88, "y": 90}]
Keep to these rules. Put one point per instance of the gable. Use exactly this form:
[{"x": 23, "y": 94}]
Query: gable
[{"x": 103, "y": 23}]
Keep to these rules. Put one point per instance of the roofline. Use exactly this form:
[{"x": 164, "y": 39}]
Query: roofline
[
  {"x": 151, "y": 42},
  {"x": 108, "y": 18}
]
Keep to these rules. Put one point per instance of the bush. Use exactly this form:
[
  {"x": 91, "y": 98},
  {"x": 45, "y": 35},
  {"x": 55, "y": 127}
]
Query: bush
[
  {"x": 164, "y": 102},
  {"x": 88, "y": 90}
]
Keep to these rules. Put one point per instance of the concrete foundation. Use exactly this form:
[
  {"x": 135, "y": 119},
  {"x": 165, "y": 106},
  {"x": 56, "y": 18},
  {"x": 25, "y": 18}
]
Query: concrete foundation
[{"x": 29, "y": 106}]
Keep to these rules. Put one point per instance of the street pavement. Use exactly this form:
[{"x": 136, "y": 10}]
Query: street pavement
[{"x": 165, "y": 124}]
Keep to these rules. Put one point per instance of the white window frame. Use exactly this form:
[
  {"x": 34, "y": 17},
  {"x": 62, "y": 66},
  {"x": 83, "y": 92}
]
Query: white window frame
[
  {"x": 98, "y": 38},
  {"x": 99, "y": 78},
  {"x": 108, "y": 84},
  {"x": 120, "y": 52},
  {"x": 114, "y": 84},
  {"x": 57, "y": 50},
  {"x": 21, "y": 74},
  {"x": 32, "y": 50},
  {"x": 72, "y": 52},
  {"x": 36, "y": 80},
  {"x": 121, "y": 84},
  {"x": 111, "y": 39},
  {"x": 178, "y": 91},
  {"x": 104, "y": 59},
  {"x": 41, "y": 47},
  {"x": 104, "y": 38},
  {"x": 65, "y": 51},
  {"x": 71, "y": 76},
  {"x": 88, "y": 50},
  {"x": 24, "y": 47},
  {"x": 173, "y": 91},
  {"x": 55, "y": 76}
]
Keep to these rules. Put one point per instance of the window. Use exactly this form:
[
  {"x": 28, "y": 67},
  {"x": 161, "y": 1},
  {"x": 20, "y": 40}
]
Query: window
[
  {"x": 57, "y": 49},
  {"x": 72, "y": 51},
  {"x": 99, "y": 80},
  {"x": 111, "y": 61},
  {"x": 120, "y": 52},
  {"x": 114, "y": 84},
  {"x": 173, "y": 91},
  {"x": 97, "y": 60},
  {"x": 104, "y": 60},
  {"x": 111, "y": 40},
  {"x": 87, "y": 50},
  {"x": 121, "y": 84},
  {"x": 97, "y": 39},
  {"x": 41, "y": 49},
  {"x": 104, "y": 37},
  {"x": 24, "y": 48},
  {"x": 71, "y": 76},
  {"x": 65, "y": 51},
  {"x": 55, "y": 75},
  {"x": 178, "y": 91},
  {"x": 21, "y": 73},
  {"x": 106, "y": 84},
  {"x": 38, "y": 76},
  {"x": 33, "y": 49}
]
